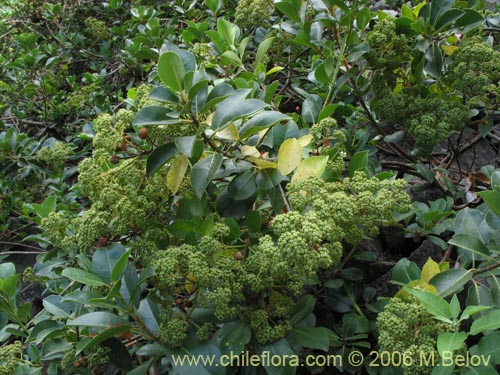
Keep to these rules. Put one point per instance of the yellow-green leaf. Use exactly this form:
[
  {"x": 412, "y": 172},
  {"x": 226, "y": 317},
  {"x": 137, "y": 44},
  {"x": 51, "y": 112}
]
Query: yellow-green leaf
[
  {"x": 176, "y": 173},
  {"x": 430, "y": 269},
  {"x": 230, "y": 133},
  {"x": 289, "y": 156},
  {"x": 305, "y": 140},
  {"x": 313, "y": 166}
]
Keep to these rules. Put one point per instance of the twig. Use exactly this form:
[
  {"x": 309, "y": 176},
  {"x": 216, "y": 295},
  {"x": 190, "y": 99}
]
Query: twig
[
  {"x": 283, "y": 197},
  {"x": 40, "y": 251}
]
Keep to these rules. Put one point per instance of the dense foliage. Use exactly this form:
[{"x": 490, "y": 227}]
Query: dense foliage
[{"x": 234, "y": 178}]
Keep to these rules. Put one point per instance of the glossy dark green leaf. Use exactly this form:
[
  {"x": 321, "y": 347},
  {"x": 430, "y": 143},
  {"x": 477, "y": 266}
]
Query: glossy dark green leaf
[
  {"x": 434, "y": 61},
  {"x": 488, "y": 322},
  {"x": 260, "y": 122},
  {"x": 434, "y": 304},
  {"x": 102, "y": 319},
  {"x": 447, "y": 18},
  {"x": 171, "y": 70},
  {"x": 470, "y": 243},
  {"x": 310, "y": 337},
  {"x": 488, "y": 346},
  {"x": 253, "y": 221},
  {"x": 186, "y": 145},
  {"x": 359, "y": 162},
  {"x": 105, "y": 259},
  {"x": 243, "y": 186},
  {"x": 438, "y": 8},
  {"x": 405, "y": 271},
  {"x": 302, "y": 309},
  {"x": 289, "y": 9},
  {"x": 280, "y": 349},
  {"x": 492, "y": 199},
  {"x": 203, "y": 172},
  {"x": 363, "y": 18},
  {"x": 159, "y": 157},
  {"x": 235, "y": 107},
  {"x": 450, "y": 281},
  {"x": 100, "y": 337},
  {"x": 163, "y": 95},
  {"x": 268, "y": 178},
  {"x": 82, "y": 277},
  {"x": 469, "y": 21},
  {"x": 234, "y": 337},
  {"x": 154, "y": 115}
]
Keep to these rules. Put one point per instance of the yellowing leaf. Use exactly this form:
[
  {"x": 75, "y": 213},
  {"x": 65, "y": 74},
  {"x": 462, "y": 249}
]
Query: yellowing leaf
[
  {"x": 289, "y": 156},
  {"x": 313, "y": 166},
  {"x": 274, "y": 70},
  {"x": 176, "y": 173},
  {"x": 190, "y": 284},
  {"x": 305, "y": 140},
  {"x": 449, "y": 50},
  {"x": 429, "y": 270},
  {"x": 418, "y": 285},
  {"x": 262, "y": 163},
  {"x": 250, "y": 151},
  {"x": 230, "y": 133},
  {"x": 445, "y": 266}
]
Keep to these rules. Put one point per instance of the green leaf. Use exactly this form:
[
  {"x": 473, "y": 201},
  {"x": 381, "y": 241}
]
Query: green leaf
[
  {"x": 434, "y": 61},
  {"x": 163, "y": 95},
  {"x": 203, "y": 172},
  {"x": 171, "y": 70},
  {"x": 469, "y": 21},
  {"x": 357, "y": 51},
  {"x": 262, "y": 50},
  {"x": 450, "y": 341},
  {"x": 470, "y": 243},
  {"x": 363, "y": 18},
  {"x": 471, "y": 310},
  {"x": 448, "y": 18},
  {"x": 302, "y": 309},
  {"x": 454, "y": 307},
  {"x": 102, "y": 319},
  {"x": 105, "y": 259},
  {"x": 82, "y": 277},
  {"x": 488, "y": 346},
  {"x": 160, "y": 156},
  {"x": 228, "y": 31},
  {"x": 176, "y": 173},
  {"x": 492, "y": 199},
  {"x": 235, "y": 107},
  {"x": 289, "y": 156},
  {"x": 435, "y": 305},
  {"x": 439, "y": 7},
  {"x": 260, "y": 122},
  {"x": 243, "y": 186},
  {"x": 231, "y": 58},
  {"x": 324, "y": 72},
  {"x": 289, "y": 9},
  {"x": 312, "y": 166},
  {"x": 234, "y": 337},
  {"x": 359, "y": 162},
  {"x": 7, "y": 270},
  {"x": 281, "y": 349},
  {"x": 488, "y": 322},
  {"x": 405, "y": 271},
  {"x": 451, "y": 281},
  {"x": 100, "y": 337},
  {"x": 154, "y": 115},
  {"x": 253, "y": 221},
  {"x": 120, "y": 267},
  {"x": 310, "y": 337}
]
